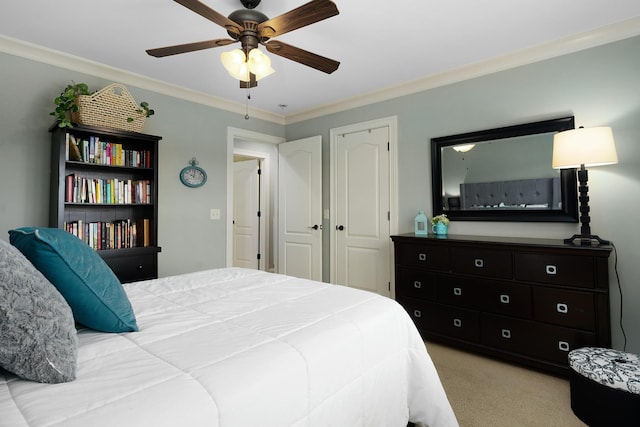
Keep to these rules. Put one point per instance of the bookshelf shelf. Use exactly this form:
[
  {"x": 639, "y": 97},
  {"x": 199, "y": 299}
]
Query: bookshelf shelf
[
  {"x": 90, "y": 166},
  {"x": 104, "y": 189},
  {"x": 88, "y": 205}
]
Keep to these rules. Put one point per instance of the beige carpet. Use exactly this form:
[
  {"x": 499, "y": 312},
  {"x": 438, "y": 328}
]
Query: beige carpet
[{"x": 487, "y": 393}]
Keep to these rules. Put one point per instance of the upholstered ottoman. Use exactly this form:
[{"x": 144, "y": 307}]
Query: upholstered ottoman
[{"x": 605, "y": 386}]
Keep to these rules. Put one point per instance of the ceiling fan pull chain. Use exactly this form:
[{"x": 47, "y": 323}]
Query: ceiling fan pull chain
[{"x": 246, "y": 116}]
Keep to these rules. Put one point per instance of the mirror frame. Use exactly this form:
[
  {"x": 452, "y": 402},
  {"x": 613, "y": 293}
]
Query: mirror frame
[{"x": 568, "y": 181}]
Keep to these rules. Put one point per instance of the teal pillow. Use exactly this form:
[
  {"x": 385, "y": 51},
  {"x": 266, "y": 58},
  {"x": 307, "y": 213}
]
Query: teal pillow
[{"x": 92, "y": 290}]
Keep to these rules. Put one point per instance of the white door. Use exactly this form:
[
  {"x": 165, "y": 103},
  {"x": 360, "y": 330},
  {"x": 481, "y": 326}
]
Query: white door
[
  {"x": 246, "y": 222},
  {"x": 362, "y": 244},
  {"x": 300, "y": 208}
]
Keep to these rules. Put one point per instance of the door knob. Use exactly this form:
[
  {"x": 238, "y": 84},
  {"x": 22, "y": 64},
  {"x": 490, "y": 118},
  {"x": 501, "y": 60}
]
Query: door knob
[
  {"x": 340, "y": 227},
  {"x": 315, "y": 227}
]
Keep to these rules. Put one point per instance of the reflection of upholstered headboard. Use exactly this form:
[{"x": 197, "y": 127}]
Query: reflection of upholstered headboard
[{"x": 540, "y": 193}]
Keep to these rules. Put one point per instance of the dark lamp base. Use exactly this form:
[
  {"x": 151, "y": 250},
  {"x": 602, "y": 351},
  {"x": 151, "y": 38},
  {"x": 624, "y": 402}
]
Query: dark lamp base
[{"x": 586, "y": 240}]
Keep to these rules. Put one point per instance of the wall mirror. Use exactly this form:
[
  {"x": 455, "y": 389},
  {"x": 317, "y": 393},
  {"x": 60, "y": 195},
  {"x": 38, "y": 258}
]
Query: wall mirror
[{"x": 503, "y": 174}]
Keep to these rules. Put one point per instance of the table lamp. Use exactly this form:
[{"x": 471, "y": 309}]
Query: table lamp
[{"x": 579, "y": 148}]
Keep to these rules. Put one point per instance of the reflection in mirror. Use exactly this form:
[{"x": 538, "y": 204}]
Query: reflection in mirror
[
  {"x": 503, "y": 174},
  {"x": 477, "y": 177}
]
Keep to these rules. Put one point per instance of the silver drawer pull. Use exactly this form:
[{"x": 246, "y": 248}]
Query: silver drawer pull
[
  {"x": 563, "y": 346},
  {"x": 478, "y": 262},
  {"x": 562, "y": 308},
  {"x": 504, "y": 299},
  {"x": 417, "y": 284},
  {"x": 417, "y": 313},
  {"x": 506, "y": 333},
  {"x": 457, "y": 323},
  {"x": 457, "y": 291},
  {"x": 422, "y": 257},
  {"x": 551, "y": 269}
]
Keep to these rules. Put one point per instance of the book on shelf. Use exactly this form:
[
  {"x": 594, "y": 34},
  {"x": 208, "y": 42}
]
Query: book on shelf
[
  {"x": 71, "y": 148},
  {"x": 82, "y": 189},
  {"x": 97, "y": 151},
  {"x": 143, "y": 229},
  {"x": 69, "y": 188},
  {"x": 117, "y": 234}
]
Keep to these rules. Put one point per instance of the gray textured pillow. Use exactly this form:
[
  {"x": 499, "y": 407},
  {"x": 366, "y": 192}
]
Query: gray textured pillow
[{"x": 38, "y": 338}]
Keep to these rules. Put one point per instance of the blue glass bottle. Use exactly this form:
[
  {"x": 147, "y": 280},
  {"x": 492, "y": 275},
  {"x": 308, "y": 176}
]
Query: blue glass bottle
[{"x": 421, "y": 224}]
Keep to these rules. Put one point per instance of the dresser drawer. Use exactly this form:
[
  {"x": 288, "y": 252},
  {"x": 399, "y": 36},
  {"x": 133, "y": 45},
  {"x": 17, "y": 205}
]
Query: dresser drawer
[
  {"x": 536, "y": 340},
  {"x": 486, "y": 295},
  {"x": 415, "y": 283},
  {"x": 459, "y": 291},
  {"x": 506, "y": 298},
  {"x": 445, "y": 320},
  {"x": 133, "y": 268},
  {"x": 423, "y": 256},
  {"x": 574, "y": 309},
  {"x": 555, "y": 269},
  {"x": 482, "y": 262}
]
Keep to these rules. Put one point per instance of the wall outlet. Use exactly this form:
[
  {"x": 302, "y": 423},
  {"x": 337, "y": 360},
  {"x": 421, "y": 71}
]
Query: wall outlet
[{"x": 214, "y": 214}]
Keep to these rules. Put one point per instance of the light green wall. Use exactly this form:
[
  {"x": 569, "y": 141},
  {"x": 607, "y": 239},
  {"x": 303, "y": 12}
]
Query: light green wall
[
  {"x": 600, "y": 86},
  {"x": 190, "y": 241}
]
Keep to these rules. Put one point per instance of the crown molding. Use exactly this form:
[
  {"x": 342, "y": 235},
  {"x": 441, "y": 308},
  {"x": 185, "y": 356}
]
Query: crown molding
[
  {"x": 59, "y": 59},
  {"x": 604, "y": 35}
]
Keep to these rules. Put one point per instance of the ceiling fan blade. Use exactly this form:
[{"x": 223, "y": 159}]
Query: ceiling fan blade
[
  {"x": 302, "y": 56},
  {"x": 188, "y": 47},
  {"x": 213, "y": 16},
  {"x": 309, "y": 13}
]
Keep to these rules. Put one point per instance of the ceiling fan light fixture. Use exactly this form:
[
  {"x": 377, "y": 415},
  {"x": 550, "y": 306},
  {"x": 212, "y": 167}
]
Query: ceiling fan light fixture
[
  {"x": 239, "y": 67},
  {"x": 235, "y": 63},
  {"x": 260, "y": 64}
]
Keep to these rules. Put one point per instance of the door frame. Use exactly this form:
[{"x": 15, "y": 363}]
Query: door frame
[
  {"x": 234, "y": 134},
  {"x": 392, "y": 123}
]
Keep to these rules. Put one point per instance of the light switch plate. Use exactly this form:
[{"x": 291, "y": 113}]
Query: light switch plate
[{"x": 214, "y": 214}]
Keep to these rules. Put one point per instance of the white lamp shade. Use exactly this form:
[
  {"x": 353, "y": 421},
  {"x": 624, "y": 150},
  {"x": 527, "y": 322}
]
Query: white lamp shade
[
  {"x": 239, "y": 67},
  {"x": 236, "y": 64},
  {"x": 584, "y": 146},
  {"x": 259, "y": 64}
]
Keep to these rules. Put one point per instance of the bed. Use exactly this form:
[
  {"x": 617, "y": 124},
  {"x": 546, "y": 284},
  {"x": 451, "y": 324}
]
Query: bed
[
  {"x": 537, "y": 193},
  {"x": 238, "y": 347}
]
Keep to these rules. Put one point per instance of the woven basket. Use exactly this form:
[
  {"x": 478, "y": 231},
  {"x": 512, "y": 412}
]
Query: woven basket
[{"x": 110, "y": 107}]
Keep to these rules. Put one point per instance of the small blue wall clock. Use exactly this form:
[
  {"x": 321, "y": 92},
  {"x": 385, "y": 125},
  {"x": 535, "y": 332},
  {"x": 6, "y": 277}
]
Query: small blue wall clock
[{"x": 192, "y": 175}]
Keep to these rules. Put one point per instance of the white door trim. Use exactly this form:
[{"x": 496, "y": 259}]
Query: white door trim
[
  {"x": 234, "y": 134},
  {"x": 334, "y": 133}
]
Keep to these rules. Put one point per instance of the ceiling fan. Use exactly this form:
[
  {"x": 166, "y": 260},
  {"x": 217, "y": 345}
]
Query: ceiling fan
[{"x": 251, "y": 28}]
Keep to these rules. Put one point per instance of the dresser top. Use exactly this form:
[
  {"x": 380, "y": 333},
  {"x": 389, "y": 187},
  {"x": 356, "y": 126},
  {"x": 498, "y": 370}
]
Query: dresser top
[{"x": 454, "y": 239}]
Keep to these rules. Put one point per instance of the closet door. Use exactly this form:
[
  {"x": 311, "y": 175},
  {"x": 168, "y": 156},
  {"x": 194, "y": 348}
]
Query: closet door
[{"x": 362, "y": 244}]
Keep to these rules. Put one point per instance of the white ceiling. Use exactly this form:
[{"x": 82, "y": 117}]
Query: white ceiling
[{"x": 380, "y": 43}]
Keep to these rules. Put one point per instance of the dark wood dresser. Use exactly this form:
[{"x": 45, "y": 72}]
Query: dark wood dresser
[{"x": 524, "y": 300}]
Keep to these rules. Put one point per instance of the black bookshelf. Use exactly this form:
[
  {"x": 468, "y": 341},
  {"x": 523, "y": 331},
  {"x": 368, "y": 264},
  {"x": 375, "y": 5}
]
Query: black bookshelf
[{"x": 104, "y": 189}]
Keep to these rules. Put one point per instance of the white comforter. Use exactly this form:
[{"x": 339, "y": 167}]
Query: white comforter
[{"x": 236, "y": 348}]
